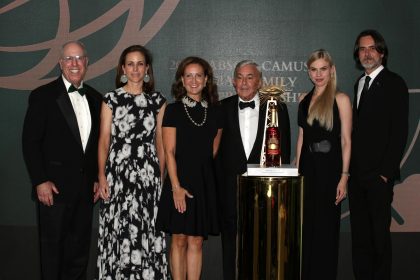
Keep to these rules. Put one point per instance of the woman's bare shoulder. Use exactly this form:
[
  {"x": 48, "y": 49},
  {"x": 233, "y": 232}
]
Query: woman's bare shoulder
[
  {"x": 342, "y": 97},
  {"x": 302, "y": 96}
]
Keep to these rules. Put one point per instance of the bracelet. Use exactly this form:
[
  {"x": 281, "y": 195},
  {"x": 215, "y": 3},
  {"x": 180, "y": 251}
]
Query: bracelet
[{"x": 345, "y": 173}]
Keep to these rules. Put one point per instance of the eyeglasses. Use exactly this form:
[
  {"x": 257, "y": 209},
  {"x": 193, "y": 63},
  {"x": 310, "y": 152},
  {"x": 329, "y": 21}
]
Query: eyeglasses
[{"x": 76, "y": 58}]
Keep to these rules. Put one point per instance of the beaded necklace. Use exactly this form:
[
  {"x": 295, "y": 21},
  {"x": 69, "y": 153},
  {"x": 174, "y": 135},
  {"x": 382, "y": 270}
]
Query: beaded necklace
[{"x": 189, "y": 102}]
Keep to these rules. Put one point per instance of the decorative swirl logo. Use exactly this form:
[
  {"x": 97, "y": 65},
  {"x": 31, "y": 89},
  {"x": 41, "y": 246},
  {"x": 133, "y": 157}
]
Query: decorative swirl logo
[
  {"x": 34, "y": 77},
  {"x": 407, "y": 196}
]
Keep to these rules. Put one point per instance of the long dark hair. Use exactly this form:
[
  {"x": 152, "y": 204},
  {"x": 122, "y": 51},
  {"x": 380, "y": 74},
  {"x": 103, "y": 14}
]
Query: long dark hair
[
  {"x": 380, "y": 46},
  {"x": 209, "y": 92},
  {"x": 150, "y": 85}
]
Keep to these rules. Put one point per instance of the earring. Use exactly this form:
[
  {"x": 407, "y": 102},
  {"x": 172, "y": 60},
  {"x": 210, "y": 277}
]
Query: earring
[
  {"x": 123, "y": 78},
  {"x": 146, "y": 78}
]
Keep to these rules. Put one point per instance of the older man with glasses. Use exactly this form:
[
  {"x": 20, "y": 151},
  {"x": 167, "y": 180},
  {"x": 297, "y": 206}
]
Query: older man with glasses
[{"x": 60, "y": 143}]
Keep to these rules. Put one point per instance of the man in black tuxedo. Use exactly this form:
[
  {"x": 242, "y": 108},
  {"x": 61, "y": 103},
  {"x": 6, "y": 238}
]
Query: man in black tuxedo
[
  {"x": 243, "y": 132},
  {"x": 60, "y": 143},
  {"x": 380, "y": 128}
]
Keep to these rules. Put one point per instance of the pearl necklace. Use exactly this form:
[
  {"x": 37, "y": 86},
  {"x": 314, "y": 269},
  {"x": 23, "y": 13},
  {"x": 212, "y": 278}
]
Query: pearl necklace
[{"x": 189, "y": 102}]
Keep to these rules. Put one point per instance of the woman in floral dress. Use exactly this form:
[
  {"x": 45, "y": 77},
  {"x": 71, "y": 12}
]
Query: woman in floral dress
[{"x": 131, "y": 165}]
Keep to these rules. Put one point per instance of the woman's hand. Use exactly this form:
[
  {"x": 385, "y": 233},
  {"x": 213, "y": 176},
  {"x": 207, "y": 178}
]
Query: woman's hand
[
  {"x": 179, "y": 194},
  {"x": 103, "y": 189},
  {"x": 341, "y": 189}
]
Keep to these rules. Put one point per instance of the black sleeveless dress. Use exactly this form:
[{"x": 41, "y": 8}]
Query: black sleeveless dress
[
  {"x": 321, "y": 165},
  {"x": 194, "y": 159}
]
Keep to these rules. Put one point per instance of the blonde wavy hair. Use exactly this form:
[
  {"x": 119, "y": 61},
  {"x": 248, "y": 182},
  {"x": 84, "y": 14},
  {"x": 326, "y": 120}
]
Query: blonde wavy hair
[{"x": 322, "y": 109}]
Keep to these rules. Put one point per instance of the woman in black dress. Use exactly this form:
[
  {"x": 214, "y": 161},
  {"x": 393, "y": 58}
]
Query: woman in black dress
[
  {"x": 323, "y": 156},
  {"x": 191, "y": 135}
]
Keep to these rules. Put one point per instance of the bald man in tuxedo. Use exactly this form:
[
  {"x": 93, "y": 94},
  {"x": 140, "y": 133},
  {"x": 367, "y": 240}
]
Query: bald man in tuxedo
[{"x": 60, "y": 144}]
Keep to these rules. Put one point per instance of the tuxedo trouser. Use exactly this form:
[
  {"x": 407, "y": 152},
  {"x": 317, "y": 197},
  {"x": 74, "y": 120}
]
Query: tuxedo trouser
[
  {"x": 65, "y": 233},
  {"x": 228, "y": 227},
  {"x": 228, "y": 235},
  {"x": 370, "y": 217}
]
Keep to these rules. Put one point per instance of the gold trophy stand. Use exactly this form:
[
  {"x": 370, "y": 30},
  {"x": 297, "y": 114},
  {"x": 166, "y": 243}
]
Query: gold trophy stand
[{"x": 270, "y": 216}]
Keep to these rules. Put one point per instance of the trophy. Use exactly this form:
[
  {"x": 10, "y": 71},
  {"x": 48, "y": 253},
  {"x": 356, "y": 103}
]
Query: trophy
[{"x": 271, "y": 147}]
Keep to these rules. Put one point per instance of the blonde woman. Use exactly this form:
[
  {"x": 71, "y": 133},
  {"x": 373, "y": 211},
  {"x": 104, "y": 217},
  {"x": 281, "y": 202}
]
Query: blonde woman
[{"x": 323, "y": 156}]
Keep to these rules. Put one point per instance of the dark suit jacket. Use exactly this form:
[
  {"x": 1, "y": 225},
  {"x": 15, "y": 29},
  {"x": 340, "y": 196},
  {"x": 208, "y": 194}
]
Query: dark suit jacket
[
  {"x": 380, "y": 127},
  {"x": 52, "y": 147},
  {"x": 232, "y": 158}
]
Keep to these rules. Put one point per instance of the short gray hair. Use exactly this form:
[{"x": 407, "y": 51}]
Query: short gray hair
[{"x": 247, "y": 62}]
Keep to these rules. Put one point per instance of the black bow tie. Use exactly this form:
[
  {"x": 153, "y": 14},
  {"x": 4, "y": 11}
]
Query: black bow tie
[
  {"x": 81, "y": 91},
  {"x": 243, "y": 105}
]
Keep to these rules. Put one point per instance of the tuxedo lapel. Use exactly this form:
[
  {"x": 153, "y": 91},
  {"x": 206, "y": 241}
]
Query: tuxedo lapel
[
  {"x": 237, "y": 128},
  {"x": 356, "y": 88},
  {"x": 377, "y": 83},
  {"x": 370, "y": 100},
  {"x": 94, "y": 108},
  {"x": 233, "y": 117},
  {"x": 355, "y": 111},
  {"x": 64, "y": 103},
  {"x": 256, "y": 148}
]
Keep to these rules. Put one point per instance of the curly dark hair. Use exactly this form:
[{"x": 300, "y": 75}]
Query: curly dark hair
[
  {"x": 209, "y": 92},
  {"x": 380, "y": 46},
  {"x": 150, "y": 85}
]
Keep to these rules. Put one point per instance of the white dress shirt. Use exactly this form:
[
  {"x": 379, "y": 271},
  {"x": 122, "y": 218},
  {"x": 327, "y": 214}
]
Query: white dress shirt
[
  {"x": 362, "y": 82},
  {"x": 248, "y": 124},
  {"x": 82, "y": 111}
]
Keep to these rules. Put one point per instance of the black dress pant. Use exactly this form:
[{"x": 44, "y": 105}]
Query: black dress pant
[
  {"x": 229, "y": 251},
  {"x": 64, "y": 232},
  {"x": 228, "y": 226},
  {"x": 370, "y": 217}
]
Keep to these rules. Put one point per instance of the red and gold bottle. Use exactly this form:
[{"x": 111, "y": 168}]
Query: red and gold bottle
[{"x": 272, "y": 136}]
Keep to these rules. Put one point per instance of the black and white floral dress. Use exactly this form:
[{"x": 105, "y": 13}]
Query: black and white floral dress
[{"x": 129, "y": 246}]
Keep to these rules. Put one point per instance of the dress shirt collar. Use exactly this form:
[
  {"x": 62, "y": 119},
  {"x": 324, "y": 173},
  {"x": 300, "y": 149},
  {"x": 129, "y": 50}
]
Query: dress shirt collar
[
  {"x": 256, "y": 99},
  {"x": 67, "y": 84},
  {"x": 374, "y": 74}
]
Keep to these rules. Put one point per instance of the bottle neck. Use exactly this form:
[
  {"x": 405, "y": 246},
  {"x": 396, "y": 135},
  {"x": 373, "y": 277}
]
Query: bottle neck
[{"x": 273, "y": 117}]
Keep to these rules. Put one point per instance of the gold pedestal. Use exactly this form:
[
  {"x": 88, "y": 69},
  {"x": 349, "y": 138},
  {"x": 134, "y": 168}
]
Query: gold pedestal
[{"x": 270, "y": 216}]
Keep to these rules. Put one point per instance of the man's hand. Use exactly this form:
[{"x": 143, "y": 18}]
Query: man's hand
[
  {"x": 96, "y": 193},
  {"x": 45, "y": 193}
]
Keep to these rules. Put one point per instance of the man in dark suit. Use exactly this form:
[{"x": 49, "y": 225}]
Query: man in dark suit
[
  {"x": 380, "y": 128},
  {"x": 60, "y": 143},
  {"x": 243, "y": 132}
]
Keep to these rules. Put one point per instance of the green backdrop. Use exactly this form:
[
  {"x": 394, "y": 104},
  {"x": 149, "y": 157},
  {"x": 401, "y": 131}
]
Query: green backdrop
[{"x": 278, "y": 34}]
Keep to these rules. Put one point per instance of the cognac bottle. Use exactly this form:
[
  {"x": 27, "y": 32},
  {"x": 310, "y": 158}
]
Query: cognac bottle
[{"x": 272, "y": 136}]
